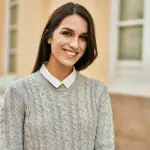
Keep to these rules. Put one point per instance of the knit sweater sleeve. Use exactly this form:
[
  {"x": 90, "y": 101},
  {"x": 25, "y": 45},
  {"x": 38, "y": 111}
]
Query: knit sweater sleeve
[
  {"x": 12, "y": 120},
  {"x": 105, "y": 134}
]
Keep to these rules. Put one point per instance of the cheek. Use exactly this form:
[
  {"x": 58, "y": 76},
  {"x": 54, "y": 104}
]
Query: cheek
[
  {"x": 58, "y": 42},
  {"x": 61, "y": 40},
  {"x": 56, "y": 45},
  {"x": 56, "y": 48},
  {"x": 82, "y": 53},
  {"x": 83, "y": 47}
]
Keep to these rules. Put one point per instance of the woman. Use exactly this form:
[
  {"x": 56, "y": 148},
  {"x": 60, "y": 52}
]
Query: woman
[{"x": 56, "y": 107}]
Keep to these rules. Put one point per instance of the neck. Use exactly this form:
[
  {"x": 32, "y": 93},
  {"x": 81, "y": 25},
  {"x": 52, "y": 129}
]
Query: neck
[{"x": 59, "y": 71}]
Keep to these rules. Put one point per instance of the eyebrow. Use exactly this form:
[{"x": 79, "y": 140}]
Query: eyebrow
[{"x": 85, "y": 33}]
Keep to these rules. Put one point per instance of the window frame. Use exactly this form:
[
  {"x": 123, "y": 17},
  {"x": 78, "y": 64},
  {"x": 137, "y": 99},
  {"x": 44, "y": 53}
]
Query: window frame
[
  {"x": 7, "y": 29},
  {"x": 119, "y": 70}
]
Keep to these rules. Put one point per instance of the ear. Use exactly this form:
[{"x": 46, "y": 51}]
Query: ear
[{"x": 49, "y": 40}]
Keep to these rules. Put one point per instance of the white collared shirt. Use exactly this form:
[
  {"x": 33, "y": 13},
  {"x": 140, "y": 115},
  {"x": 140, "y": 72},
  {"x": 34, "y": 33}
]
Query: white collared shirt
[{"x": 56, "y": 83}]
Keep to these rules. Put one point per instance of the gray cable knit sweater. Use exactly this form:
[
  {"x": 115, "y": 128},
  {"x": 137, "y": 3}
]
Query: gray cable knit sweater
[{"x": 37, "y": 116}]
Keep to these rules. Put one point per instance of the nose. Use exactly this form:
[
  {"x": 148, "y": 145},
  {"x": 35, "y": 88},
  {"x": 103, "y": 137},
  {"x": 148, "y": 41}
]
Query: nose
[{"x": 74, "y": 43}]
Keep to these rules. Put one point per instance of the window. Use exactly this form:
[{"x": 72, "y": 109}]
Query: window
[
  {"x": 130, "y": 30},
  {"x": 129, "y": 43},
  {"x": 11, "y": 36}
]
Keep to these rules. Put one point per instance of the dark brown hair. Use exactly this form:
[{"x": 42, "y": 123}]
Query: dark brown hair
[{"x": 57, "y": 16}]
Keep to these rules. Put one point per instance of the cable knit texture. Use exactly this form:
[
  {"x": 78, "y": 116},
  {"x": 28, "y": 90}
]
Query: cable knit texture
[{"x": 37, "y": 116}]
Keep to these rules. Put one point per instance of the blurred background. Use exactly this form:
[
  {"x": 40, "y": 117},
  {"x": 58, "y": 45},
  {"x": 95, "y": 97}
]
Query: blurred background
[{"x": 123, "y": 33}]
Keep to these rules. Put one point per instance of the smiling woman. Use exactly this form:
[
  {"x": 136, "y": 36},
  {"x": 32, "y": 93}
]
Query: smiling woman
[
  {"x": 68, "y": 44},
  {"x": 56, "y": 107},
  {"x": 76, "y": 24}
]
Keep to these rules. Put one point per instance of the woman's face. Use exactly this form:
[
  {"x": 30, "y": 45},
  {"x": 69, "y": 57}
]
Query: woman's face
[{"x": 69, "y": 41}]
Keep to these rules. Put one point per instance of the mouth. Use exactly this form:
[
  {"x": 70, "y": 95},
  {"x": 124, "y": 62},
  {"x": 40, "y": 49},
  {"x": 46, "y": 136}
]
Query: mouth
[{"x": 70, "y": 53}]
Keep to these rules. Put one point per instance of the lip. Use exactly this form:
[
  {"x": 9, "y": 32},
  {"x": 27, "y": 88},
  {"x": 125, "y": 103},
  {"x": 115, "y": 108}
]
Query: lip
[
  {"x": 69, "y": 56},
  {"x": 70, "y": 50}
]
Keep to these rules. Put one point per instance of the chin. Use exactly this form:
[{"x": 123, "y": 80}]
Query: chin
[{"x": 67, "y": 64}]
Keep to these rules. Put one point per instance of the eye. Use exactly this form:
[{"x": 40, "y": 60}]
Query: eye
[
  {"x": 67, "y": 33},
  {"x": 83, "y": 38}
]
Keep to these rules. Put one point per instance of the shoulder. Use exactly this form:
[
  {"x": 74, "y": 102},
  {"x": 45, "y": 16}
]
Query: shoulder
[
  {"x": 17, "y": 90},
  {"x": 96, "y": 86},
  {"x": 93, "y": 82},
  {"x": 18, "y": 86},
  {"x": 98, "y": 89}
]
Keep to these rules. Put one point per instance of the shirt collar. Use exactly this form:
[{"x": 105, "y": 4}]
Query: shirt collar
[{"x": 56, "y": 83}]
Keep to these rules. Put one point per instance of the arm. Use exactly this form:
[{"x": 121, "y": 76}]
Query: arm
[
  {"x": 12, "y": 120},
  {"x": 105, "y": 134}
]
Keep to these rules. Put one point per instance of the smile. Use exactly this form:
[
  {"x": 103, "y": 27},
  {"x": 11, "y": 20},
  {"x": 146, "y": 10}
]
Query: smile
[{"x": 70, "y": 54}]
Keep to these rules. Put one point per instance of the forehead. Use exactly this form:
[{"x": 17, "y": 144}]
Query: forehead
[{"x": 74, "y": 22}]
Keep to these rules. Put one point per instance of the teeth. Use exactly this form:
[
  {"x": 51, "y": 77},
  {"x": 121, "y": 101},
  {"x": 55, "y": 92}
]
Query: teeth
[{"x": 71, "y": 53}]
